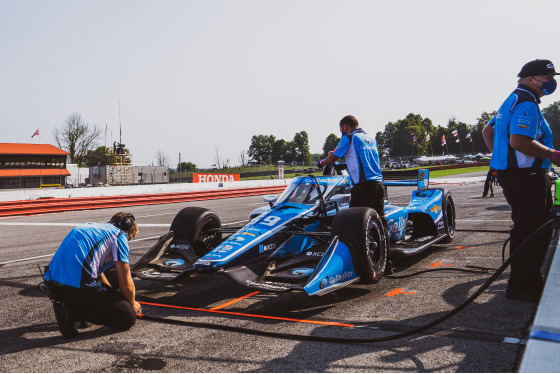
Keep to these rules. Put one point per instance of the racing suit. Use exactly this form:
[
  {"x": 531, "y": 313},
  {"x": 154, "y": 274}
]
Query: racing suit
[
  {"x": 526, "y": 185},
  {"x": 75, "y": 271}
]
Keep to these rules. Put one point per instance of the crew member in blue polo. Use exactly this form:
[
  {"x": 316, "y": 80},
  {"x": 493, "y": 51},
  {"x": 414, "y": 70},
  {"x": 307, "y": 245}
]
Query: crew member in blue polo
[
  {"x": 521, "y": 143},
  {"x": 362, "y": 160},
  {"x": 80, "y": 290}
]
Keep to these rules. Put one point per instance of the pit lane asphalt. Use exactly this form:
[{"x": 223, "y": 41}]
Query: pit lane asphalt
[{"x": 485, "y": 337}]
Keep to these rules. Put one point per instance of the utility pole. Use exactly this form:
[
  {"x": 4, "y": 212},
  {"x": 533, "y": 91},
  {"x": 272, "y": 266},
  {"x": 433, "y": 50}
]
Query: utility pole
[{"x": 180, "y": 167}]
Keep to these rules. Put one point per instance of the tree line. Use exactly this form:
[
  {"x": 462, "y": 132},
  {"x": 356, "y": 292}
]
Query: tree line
[{"x": 412, "y": 136}]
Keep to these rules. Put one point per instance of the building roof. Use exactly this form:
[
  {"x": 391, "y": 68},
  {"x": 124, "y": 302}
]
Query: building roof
[
  {"x": 16, "y": 173},
  {"x": 30, "y": 149}
]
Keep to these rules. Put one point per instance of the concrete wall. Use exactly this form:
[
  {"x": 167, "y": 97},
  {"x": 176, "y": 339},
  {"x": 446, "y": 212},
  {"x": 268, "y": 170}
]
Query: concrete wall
[{"x": 132, "y": 190}]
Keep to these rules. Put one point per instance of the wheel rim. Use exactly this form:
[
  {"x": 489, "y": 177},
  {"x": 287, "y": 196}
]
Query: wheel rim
[
  {"x": 373, "y": 243},
  {"x": 450, "y": 220},
  {"x": 207, "y": 240}
]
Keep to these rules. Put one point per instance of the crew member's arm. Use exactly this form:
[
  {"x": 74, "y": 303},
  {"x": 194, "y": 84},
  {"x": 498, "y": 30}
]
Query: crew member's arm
[
  {"x": 126, "y": 284},
  {"x": 488, "y": 135},
  {"x": 329, "y": 160},
  {"x": 104, "y": 279},
  {"x": 531, "y": 147}
]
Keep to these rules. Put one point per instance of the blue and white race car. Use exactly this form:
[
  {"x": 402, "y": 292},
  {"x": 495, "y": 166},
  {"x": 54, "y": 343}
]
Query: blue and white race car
[{"x": 308, "y": 239}]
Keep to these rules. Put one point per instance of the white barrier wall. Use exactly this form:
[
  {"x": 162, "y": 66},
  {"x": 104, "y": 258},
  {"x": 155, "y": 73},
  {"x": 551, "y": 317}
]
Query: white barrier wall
[
  {"x": 168, "y": 188},
  {"x": 133, "y": 190}
]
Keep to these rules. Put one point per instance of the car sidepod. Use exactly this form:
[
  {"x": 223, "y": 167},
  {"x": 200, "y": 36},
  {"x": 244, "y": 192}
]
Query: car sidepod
[{"x": 425, "y": 223}]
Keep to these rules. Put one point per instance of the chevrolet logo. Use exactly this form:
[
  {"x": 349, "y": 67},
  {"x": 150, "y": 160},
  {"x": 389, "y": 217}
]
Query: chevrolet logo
[{"x": 435, "y": 209}]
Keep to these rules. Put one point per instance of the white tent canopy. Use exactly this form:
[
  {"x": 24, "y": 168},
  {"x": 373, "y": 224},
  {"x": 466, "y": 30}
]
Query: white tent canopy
[{"x": 427, "y": 159}]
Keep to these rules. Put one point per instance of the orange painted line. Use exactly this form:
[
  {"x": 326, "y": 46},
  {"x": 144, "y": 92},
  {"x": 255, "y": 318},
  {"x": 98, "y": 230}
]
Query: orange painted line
[
  {"x": 463, "y": 247},
  {"x": 250, "y": 315},
  {"x": 397, "y": 291},
  {"x": 436, "y": 264},
  {"x": 234, "y": 301}
]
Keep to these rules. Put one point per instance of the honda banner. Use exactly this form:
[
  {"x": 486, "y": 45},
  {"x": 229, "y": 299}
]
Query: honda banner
[{"x": 204, "y": 178}]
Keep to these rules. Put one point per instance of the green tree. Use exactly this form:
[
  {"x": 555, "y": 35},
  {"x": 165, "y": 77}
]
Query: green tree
[
  {"x": 552, "y": 115},
  {"x": 330, "y": 144},
  {"x": 97, "y": 157},
  {"x": 280, "y": 151},
  {"x": 476, "y": 132},
  {"x": 186, "y": 166},
  {"x": 300, "y": 147},
  {"x": 398, "y": 140},
  {"x": 455, "y": 143},
  {"x": 261, "y": 148}
]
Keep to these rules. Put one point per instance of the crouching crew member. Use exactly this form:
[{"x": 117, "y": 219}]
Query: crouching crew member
[{"x": 80, "y": 290}]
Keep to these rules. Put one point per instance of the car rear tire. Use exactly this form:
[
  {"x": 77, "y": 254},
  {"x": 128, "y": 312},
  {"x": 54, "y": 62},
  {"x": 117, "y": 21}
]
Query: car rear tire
[
  {"x": 362, "y": 228},
  {"x": 448, "y": 217},
  {"x": 194, "y": 224}
]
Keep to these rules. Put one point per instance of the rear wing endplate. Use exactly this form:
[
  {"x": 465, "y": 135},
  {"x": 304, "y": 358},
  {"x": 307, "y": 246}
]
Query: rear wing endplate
[{"x": 422, "y": 181}]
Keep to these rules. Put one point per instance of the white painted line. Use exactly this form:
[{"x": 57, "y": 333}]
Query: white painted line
[
  {"x": 65, "y": 224},
  {"x": 25, "y": 259},
  {"x": 149, "y": 238},
  {"x": 68, "y": 224}
]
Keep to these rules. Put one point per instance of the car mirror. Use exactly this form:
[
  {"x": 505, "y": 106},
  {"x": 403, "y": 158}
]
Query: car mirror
[
  {"x": 340, "y": 197},
  {"x": 270, "y": 199}
]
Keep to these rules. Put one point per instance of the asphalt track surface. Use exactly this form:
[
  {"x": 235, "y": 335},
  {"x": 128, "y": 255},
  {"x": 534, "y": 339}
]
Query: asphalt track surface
[{"x": 487, "y": 336}]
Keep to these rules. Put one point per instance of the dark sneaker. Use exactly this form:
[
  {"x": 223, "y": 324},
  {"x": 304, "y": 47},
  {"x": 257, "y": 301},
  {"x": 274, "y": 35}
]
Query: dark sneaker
[
  {"x": 64, "y": 320},
  {"x": 83, "y": 324},
  {"x": 513, "y": 294}
]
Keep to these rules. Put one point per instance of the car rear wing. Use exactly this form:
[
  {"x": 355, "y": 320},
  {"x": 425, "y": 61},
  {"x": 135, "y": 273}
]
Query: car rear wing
[{"x": 422, "y": 181}]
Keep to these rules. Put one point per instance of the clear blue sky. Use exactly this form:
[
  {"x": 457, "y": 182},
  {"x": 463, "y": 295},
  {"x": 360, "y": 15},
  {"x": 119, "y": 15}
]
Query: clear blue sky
[{"x": 200, "y": 77}]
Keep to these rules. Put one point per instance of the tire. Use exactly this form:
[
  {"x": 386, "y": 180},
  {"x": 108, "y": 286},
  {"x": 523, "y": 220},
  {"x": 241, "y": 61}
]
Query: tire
[
  {"x": 362, "y": 228},
  {"x": 193, "y": 224},
  {"x": 448, "y": 217}
]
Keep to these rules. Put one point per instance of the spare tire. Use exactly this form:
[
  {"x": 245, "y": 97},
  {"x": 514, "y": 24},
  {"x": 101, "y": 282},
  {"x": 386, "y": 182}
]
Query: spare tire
[
  {"x": 195, "y": 224},
  {"x": 361, "y": 227}
]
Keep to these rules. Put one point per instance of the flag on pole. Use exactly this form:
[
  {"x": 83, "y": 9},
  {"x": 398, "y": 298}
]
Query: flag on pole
[
  {"x": 443, "y": 142},
  {"x": 455, "y": 133},
  {"x": 413, "y": 138},
  {"x": 457, "y": 140},
  {"x": 36, "y": 133},
  {"x": 469, "y": 137},
  {"x": 427, "y": 137}
]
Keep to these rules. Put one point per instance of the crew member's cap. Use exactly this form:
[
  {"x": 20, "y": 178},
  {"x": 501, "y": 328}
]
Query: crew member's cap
[{"x": 537, "y": 67}]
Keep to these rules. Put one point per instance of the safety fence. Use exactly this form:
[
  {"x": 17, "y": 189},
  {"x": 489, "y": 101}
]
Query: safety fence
[{"x": 51, "y": 205}]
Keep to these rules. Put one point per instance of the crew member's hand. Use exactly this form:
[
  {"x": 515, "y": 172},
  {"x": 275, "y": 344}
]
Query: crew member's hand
[
  {"x": 137, "y": 307},
  {"x": 556, "y": 160},
  {"x": 319, "y": 164}
]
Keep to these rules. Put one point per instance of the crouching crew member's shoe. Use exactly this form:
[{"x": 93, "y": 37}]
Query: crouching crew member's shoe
[{"x": 65, "y": 320}]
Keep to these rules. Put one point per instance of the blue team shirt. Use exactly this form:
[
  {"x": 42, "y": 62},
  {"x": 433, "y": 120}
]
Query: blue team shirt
[
  {"x": 519, "y": 114},
  {"x": 86, "y": 252},
  {"x": 362, "y": 156}
]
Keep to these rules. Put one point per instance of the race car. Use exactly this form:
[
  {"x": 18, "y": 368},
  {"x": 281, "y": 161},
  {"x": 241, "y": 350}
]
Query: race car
[{"x": 307, "y": 239}]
